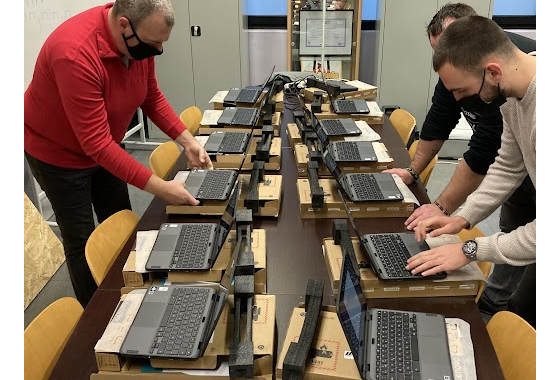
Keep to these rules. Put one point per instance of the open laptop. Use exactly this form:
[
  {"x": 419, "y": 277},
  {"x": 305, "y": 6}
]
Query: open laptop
[
  {"x": 248, "y": 94},
  {"x": 337, "y": 86},
  {"x": 346, "y": 106},
  {"x": 192, "y": 246},
  {"x": 364, "y": 187},
  {"x": 352, "y": 151},
  {"x": 388, "y": 252},
  {"x": 213, "y": 184},
  {"x": 226, "y": 142},
  {"x": 193, "y": 309},
  {"x": 391, "y": 344}
]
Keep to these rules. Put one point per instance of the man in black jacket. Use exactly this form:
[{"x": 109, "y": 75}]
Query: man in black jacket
[{"x": 486, "y": 122}]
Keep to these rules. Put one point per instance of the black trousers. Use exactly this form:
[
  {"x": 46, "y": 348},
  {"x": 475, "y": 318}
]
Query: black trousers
[
  {"x": 72, "y": 192},
  {"x": 505, "y": 279},
  {"x": 523, "y": 302}
]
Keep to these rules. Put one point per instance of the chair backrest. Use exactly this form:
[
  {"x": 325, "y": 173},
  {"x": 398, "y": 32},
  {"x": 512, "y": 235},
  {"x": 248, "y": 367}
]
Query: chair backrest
[
  {"x": 107, "y": 240},
  {"x": 163, "y": 158},
  {"x": 404, "y": 123},
  {"x": 485, "y": 266},
  {"x": 46, "y": 336},
  {"x": 427, "y": 172},
  {"x": 515, "y": 343},
  {"x": 191, "y": 117}
]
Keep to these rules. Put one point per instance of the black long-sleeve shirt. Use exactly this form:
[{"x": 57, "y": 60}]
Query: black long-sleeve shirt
[{"x": 487, "y": 130}]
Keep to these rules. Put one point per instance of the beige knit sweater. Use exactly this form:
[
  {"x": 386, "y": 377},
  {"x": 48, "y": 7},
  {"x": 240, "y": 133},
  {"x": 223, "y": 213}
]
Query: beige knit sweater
[{"x": 516, "y": 158}]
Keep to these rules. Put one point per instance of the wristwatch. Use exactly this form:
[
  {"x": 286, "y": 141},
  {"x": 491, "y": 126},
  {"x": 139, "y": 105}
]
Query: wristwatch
[
  {"x": 469, "y": 249},
  {"x": 414, "y": 175}
]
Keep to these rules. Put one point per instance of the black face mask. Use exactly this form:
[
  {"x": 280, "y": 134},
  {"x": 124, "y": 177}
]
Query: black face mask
[
  {"x": 474, "y": 104},
  {"x": 142, "y": 50}
]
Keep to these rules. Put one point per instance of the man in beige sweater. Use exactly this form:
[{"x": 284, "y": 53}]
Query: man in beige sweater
[{"x": 476, "y": 61}]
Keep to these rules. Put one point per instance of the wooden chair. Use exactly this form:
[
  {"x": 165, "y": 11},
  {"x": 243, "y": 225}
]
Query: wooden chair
[
  {"x": 485, "y": 266},
  {"x": 427, "y": 172},
  {"x": 46, "y": 336},
  {"x": 404, "y": 123},
  {"x": 515, "y": 343},
  {"x": 107, "y": 240},
  {"x": 163, "y": 158},
  {"x": 191, "y": 117}
]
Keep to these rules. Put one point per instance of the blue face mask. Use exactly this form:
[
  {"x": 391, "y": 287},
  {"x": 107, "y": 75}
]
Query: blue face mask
[
  {"x": 474, "y": 104},
  {"x": 142, "y": 50}
]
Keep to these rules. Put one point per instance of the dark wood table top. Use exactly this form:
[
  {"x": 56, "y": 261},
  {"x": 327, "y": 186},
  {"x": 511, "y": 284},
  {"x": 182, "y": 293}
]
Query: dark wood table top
[{"x": 293, "y": 256}]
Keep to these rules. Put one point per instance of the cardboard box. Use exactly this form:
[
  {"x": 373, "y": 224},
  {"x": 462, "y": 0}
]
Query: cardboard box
[
  {"x": 385, "y": 161},
  {"x": 111, "y": 365},
  {"x": 375, "y": 116},
  {"x": 293, "y": 134},
  {"x": 232, "y": 161},
  {"x": 333, "y": 207},
  {"x": 270, "y": 192},
  {"x": 208, "y": 124},
  {"x": 330, "y": 353},
  {"x": 464, "y": 282},
  {"x": 218, "y": 101},
  {"x": 365, "y": 91}
]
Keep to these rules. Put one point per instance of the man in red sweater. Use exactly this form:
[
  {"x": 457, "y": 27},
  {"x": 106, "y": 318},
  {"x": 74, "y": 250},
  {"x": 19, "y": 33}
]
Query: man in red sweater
[{"x": 91, "y": 75}]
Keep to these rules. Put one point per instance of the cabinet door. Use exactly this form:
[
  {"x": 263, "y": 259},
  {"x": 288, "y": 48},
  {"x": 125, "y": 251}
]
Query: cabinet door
[
  {"x": 216, "y": 58},
  {"x": 174, "y": 66}
]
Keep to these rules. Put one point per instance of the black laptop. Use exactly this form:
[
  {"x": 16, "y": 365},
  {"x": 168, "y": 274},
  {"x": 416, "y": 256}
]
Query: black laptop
[
  {"x": 388, "y": 252},
  {"x": 391, "y": 344},
  {"x": 337, "y": 128},
  {"x": 244, "y": 116},
  {"x": 352, "y": 151},
  {"x": 364, "y": 187},
  {"x": 192, "y": 246},
  {"x": 248, "y": 94},
  {"x": 346, "y": 106},
  {"x": 226, "y": 142},
  {"x": 177, "y": 321}
]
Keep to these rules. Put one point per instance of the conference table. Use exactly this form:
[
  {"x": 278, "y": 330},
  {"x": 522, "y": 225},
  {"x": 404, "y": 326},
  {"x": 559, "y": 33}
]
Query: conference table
[{"x": 294, "y": 255}]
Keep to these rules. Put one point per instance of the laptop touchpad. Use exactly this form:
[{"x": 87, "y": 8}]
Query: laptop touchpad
[
  {"x": 165, "y": 243},
  {"x": 149, "y": 315}
]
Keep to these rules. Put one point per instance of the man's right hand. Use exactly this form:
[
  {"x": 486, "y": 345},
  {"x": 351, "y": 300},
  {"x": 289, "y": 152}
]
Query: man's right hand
[
  {"x": 421, "y": 213},
  {"x": 403, "y": 173}
]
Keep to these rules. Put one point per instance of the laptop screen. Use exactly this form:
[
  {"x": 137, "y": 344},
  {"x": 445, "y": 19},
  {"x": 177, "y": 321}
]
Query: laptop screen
[{"x": 229, "y": 215}]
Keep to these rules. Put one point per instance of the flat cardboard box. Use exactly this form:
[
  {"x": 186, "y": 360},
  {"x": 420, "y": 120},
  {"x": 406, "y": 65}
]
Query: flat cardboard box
[
  {"x": 258, "y": 245},
  {"x": 111, "y": 365},
  {"x": 330, "y": 354},
  {"x": 270, "y": 192},
  {"x": 365, "y": 91},
  {"x": 232, "y": 161},
  {"x": 385, "y": 161},
  {"x": 375, "y": 116},
  {"x": 208, "y": 124},
  {"x": 218, "y": 101},
  {"x": 333, "y": 207},
  {"x": 464, "y": 282}
]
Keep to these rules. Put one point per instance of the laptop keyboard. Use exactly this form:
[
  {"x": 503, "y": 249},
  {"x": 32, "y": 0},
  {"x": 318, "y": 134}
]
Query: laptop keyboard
[
  {"x": 181, "y": 322},
  {"x": 347, "y": 106},
  {"x": 232, "y": 142},
  {"x": 214, "y": 184},
  {"x": 347, "y": 151},
  {"x": 246, "y": 95},
  {"x": 393, "y": 254},
  {"x": 366, "y": 186},
  {"x": 190, "y": 251},
  {"x": 333, "y": 127},
  {"x": 397, "y": 355},
  {"x": 243, "y": 116}
]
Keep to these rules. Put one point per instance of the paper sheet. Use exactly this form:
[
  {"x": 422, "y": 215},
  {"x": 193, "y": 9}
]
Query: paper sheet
[
  {"x": 381, "y": 152},
  {"x": 144, "y": 243},
  {"x": 461, "y": 349},
  {"x": 408, "y": 195},
  {"x": 210, "y": 117},
  {"x": 219, "y": 97},
  {"x": 368, "y": 134},
  {"x": 374, "y": 109}
]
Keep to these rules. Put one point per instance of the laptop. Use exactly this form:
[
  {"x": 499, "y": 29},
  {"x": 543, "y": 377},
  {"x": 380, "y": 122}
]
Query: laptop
[
  {"x": 224, "y": 142},
  {"x": 193, "y": 309},
  {"x": 337, "y": 127},
  {"x": 239, "y": 116},
  {"x": 388, "y": 252},
  {"x": 346, "y": 106},
  {"x": 248, "y": 94},
  {"x": 338, "y": 86},
  {"x": 213, "y": 184},
  {"x": 364, "y": 187},
  {"x": 192, "y": 246},
  {"x": 388, "y": 343},
  {"x": 352, "y": 151}
]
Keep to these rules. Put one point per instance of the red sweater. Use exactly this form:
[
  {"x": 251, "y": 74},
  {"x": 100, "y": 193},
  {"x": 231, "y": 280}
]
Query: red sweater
[{"x": 82, "y": 98}]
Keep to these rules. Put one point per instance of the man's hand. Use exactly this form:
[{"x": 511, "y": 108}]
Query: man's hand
[
  {"x": 422, "y": 213},
  {"x": 439, "y": 225},
  {"x": 197, "y": 155},
  {"x": 403, "y": 173},
  {"x": 441, "y": 259}
]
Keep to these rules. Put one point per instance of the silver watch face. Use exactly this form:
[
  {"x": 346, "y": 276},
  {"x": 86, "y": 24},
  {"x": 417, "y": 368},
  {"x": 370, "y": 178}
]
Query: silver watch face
[{"x": 469, "y": 248}]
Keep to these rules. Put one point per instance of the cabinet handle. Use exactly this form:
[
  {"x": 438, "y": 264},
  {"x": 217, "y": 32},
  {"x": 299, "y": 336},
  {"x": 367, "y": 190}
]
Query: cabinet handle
[{"x": 195, "y": 31}]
